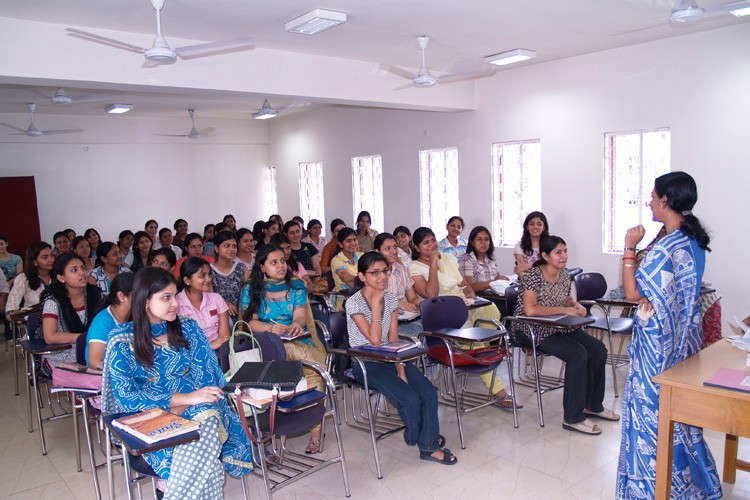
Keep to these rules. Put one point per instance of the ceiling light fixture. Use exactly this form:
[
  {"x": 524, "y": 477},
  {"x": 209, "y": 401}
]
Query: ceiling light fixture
[
  {"x": 315, "y": 21},
  {"x": 119, "y": 109},
  {"x": 510, "y": 57},
  {"x": 739, "y": 9},
  {"x": 265, "y": 112}
]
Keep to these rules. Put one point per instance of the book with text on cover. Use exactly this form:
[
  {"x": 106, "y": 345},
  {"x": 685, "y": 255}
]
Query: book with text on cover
[{"x": 155, "y": 425}]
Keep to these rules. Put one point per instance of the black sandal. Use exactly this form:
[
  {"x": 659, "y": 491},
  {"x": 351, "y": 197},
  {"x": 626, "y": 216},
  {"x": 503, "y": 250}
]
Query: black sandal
[
  {"x": 441, "y": 441},
  {"x": 448, "y": 457}
]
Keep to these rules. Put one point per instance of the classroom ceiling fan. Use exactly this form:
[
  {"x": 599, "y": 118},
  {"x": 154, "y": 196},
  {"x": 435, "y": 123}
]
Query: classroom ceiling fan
[
  {"x": 60, "y": 98},
  {"x": 688, "y": 12},
  {"x": 160, "y": 52},
  {"x": 194, "y": 132},
  {"x": 34, "y": 131},
  {"x": 424, "y": 78}
]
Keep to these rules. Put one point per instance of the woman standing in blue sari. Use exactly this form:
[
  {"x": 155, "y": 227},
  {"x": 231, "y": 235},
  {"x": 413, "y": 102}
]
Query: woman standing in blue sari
[
  {"x": 162, "y": 361},
  {"x": 666, "y": 330}
]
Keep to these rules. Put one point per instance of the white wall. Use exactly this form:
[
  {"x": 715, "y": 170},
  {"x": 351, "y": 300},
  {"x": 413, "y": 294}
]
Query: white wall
[
  {"x": 696, "y": 85},
  {"x": 117, "y": 174}
]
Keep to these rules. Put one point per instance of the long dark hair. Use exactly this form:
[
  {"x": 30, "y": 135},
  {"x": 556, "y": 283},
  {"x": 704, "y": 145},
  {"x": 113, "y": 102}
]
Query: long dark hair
[
  {"x": 257, "y": 279},
  {"x": 380, "y": 239},
  {"x": 279, "y": 238},
  {"x": 419, "y": 235},
  {"x": 102, "y": 250},
  {"x": 343, "y": 234},
  {"x": 136, "y": 251},
  {"x": 546, "y": 246},
  {"x": 526, "y": 238},
  {"x": 149, "y": 281},
  {"x": 360, "y": 216},
  {"x": 472, "y": 236},
  {"x": 405, "y": 230},
  {"x": 682, "y": 194},
  {"x": 123, "y": 282},
  {"x": 29, "y": 268},
  {"x": 364, "y": 263},
  {"x": 57, "y": 288}
]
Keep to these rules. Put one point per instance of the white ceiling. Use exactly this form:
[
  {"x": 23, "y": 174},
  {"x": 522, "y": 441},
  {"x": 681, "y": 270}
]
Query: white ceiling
[{"x": 378, "y": 31}]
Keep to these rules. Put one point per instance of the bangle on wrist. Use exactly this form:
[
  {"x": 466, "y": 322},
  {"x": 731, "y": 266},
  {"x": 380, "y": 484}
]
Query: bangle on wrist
[
  {"x": 628, "y": 258},
  {"x": 630, "y": 249},
  {"x": 629, "y": 265}
]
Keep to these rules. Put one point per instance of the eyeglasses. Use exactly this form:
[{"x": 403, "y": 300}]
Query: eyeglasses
[{"x": 378, "y": 272}]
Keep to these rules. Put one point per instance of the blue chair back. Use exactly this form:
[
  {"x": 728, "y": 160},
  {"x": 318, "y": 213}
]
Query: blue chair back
[
  {"x": 511, "y": 299},
  {"x": 33, "y": 323},
  {"x": 590, "y": 286},
  {"x": 271, "y": 346},
  {"x": 338, "y": 329},
  {"x": 443, "y": 312},
  {"x": 81, "y": 342}
]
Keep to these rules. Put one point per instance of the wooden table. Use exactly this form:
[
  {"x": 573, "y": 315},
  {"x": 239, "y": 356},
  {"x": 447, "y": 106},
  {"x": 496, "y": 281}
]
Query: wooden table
[{"x": 683, "y": 398}]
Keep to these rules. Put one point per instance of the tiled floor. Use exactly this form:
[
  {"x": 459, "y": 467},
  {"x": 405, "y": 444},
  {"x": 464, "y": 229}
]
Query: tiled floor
[{"x": 499, "y": 461}]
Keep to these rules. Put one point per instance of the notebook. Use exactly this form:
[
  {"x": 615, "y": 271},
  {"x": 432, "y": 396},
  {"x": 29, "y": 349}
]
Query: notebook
[
  {"x": 730, "y": 378},
  {"x": 391, "y": 347},
  {"x": 155, "y": 425}
]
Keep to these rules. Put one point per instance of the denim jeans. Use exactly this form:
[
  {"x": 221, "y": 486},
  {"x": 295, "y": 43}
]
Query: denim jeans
[
  {"x": 416, "y": 401},
  {"x": 585, "y": 358}
]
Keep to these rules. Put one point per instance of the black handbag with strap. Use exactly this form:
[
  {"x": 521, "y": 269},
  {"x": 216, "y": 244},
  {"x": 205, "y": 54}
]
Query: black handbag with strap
[{"x": 283, "y": 375}]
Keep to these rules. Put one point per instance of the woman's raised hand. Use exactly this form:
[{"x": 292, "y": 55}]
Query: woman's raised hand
[{"x": 634, "y": 235}]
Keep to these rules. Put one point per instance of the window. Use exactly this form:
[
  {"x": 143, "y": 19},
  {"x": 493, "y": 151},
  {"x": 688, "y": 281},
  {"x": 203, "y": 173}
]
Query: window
[
  {"x": 632, "y": 160},
  {"x": 367, "y": 185},
  {"x": 311, "y": 191},
  {"x": 516, "y": 187},
  {"x": 438, "y": 188},
  {"x": 271, "y": 201}
]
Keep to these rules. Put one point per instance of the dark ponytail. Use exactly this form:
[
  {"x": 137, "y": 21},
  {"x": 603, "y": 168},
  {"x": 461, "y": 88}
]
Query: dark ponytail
[{"x": 682, "y": 194}]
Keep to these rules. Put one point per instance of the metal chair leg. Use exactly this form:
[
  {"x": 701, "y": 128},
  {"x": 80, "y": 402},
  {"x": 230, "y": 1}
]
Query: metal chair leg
[
  {"x": 90, "y": 444},
  {"x": 38, "y": 408}
]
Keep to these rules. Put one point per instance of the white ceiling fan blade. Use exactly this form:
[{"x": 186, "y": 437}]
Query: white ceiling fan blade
[
  {"x": 62, "y": 131},
  {"x": 399, "y": 71},
  {"x": 111, "y": 42},
  {"x": 206, "y": 131},
  {"x": 294, "y": 104},
  {"x": 23, "y": 130},
  {"x": 471, "y": 75},
  {"x": 172, "y": 135},
  {"x": 406, "y": 86},
  {"x": 205, "y": 49}
]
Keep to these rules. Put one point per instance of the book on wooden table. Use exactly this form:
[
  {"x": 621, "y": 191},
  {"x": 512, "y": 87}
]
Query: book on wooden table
[
  {"x": 390, "y": 347},
  {"x": 155, "y": 425},
  {"x": 730, "y": 378}
]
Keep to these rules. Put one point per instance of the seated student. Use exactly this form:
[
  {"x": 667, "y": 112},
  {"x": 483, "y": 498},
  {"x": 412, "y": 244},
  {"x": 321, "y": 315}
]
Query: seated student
[
  {"x": 526, "y": 253},
  {"x": 365, "y": 234},
  {"x": 180, "y": 231},
  {"x": 11, "y": 265},
  {"x": 435, "y": 274},
  {"x": 209, "y": 230},
  {"x": 305, "y": 253},
  {"x": 166, "y": 239},
  {"x": 372, "y": 318},
  {"x": 270, "y": 228},
  {"x": 61, "y": 242},
  {"x": 109, "y": 262},
  {"x": 152, "y": 229},
  {"x": 258, "y": 231},
  {"x": 400, "y": 282},
  {"x": 332, "y": 247},
  {"x": 314, "y": 228},
  {"x": 282, "y": 241},
  {"x": 125, "y": 244},
  {"x": 115, "y": 312},
  {"x": 245, "y": 248},
  {"x": 275, "y": 301},
  {"x": 160, "y": 360},
  {"x": 70, "y": 233},
  {"x": 228, "y": 275},
  {"x": 301, "y": 222},
  {"x": 142, "y": 250},
  {"x": 92, "y": 235},
  {"x": 163, "y": 258},
  {"x": 231, "y": 223},
  {"x": 194, "y": 246},
  {"x": 277, "y": 219},
  {"x": 405, "y": 248},
  {"x": 81, "y": 247},
  {"x": 453, "y": 243},
  {"x": 35, "y": 278},
  {"x": 478, "y": 265},
  {"x": 197, "y": 301},
  {"x": 68, "y": 307},
  {"x": 545, "y": 290},
  {"x": 344, "y": 263}
]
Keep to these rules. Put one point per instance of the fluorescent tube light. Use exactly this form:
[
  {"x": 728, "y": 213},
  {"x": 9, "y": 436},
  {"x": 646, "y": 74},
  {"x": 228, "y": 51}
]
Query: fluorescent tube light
[
  {"x": 119, "y": 109},
  {"x": 315, "y": 21},
  {"x": 739, "y": 9},
  {"x": 510, "y": 57}
]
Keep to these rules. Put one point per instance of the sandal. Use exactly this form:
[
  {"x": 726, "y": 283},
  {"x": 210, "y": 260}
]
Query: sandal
[
  {"x": 605, "y": 414},
  {"x": 441, "y": 441},
  {"x": 506, "y": 403},
  {"x": 584, "y": 426},
  {"x": 313, "y": 447},
  {"x": 448, "y": 457}
]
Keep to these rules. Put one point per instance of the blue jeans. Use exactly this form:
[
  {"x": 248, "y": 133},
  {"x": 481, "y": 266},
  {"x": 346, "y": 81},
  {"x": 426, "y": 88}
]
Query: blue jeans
[{"x": 416, "y": 401}]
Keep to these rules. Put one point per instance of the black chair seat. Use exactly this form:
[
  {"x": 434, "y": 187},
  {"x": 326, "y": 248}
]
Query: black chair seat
[
  {"x": 477, "y": 369},
  {"x": 139, "y": 464},
  {"x": 618, "y": 325}
]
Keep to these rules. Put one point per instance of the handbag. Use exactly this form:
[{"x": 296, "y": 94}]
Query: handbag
[
  {"x": 480, "y": 356},
  {"x": 237, "y": 359},
  {"x": 75, "y": 376}
]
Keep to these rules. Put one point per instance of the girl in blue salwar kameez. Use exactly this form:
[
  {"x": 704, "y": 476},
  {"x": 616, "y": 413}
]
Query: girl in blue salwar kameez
[
  {"x": 666, "y": 330},
  {"x": 184, "y": 377}
]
